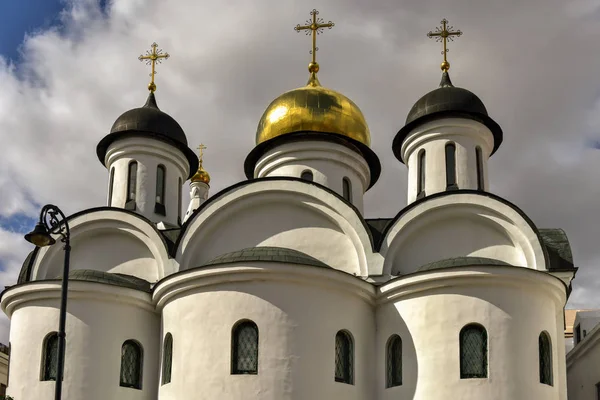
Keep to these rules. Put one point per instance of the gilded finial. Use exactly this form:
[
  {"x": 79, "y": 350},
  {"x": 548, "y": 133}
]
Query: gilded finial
[
  {"x": 201, "y": 175},
  {"x": 151, "y": 58},
  {"x": 443, "y": 34},
  {"x": 314, "y": 28}
]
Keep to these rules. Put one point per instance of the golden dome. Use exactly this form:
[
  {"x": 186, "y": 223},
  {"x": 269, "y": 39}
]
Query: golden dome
[
  {"x": 313, "y": 108},
  {"x": 201, "y": 176}
]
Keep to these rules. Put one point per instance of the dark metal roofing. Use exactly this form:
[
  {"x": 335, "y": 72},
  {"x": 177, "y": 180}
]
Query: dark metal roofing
[
  {"x": 559, "y": 249},
  {"x": 269, "y": 254},
  {"x": 461, "y": 262},
  {"x": 109, "y": 278},
  {"x": 447, "y": 101},
  {"x": 149, "y": 121}
]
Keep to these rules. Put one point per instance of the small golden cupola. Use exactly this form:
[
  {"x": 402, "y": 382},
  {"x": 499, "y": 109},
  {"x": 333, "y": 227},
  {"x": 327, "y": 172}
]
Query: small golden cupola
[
  {"x": 201, "y": 175},
  {"x": 313, "y": 108}
]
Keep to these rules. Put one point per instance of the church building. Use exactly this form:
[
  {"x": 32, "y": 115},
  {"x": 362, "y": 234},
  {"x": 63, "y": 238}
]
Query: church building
[{"x": 278, "y": 287}]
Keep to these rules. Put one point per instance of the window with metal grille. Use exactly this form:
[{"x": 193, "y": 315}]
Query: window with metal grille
[
  {"x": 167, "y": 358},
  {"x": 307, "y": 175},
  {"x": 244, "y": 352},
  {"x": 421, "y": 174},
  {"x": 131, "y": 181},
  {"x": 131, "y": 364},
  {"x": 50, "y": 357},
  {"x": 393, "y": 363},
  {"x": 473, "y": 352},
  {"x": 451, "y": 166},
  {"x": 347, "y": 189},
  {"x": 545, "y": 353},
  {"x": 344, "y": 358},
  {"x": 479, "y": 159}
]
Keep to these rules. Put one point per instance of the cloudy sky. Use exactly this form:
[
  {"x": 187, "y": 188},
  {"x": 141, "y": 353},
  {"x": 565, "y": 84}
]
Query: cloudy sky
[{"x": 68, "y": 69}]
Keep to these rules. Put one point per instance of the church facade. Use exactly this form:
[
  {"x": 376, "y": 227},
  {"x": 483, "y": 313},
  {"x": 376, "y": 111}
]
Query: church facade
[{"x": 279, "y": 288}]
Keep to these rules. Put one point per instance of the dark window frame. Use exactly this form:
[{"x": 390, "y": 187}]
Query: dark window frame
[
  {"x": 464, "y": 352},
  {"x": 111, "y": 183},
  {"x": 307, "y": 175},
  {"x": 179, "y": 201},
  {"x": 393, "y": 361},
  {"x": 598, "y": 390},
  {"x": 49, "y": 361},
  {"x": 344, "y": 367},
  {"x": 236, "y": 347},
  {"x": 577, "y": 333},
  {"x": 480, "y": 173},
  {"x": 159, "y": 206},
  {"x": 167, "y": 364},
  {"x": 421, "y": 168},
  {"x": 347, "y": 189},
  {"x": 137, "y": 380},
  {"x": 545, "y": 359},
  {"x": 131, "y": 194},
  {"x": 450, "y": 157}
]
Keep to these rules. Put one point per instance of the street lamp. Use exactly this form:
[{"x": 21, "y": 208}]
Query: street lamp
[{"x": 53, "y": 222}]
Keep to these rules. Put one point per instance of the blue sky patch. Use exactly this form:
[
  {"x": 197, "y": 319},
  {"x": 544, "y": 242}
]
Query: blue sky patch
[{"x": 18, "y": 223}]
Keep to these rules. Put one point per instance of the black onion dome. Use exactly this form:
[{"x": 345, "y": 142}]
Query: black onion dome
[
  {"x": 149, "y": 121},
  {"x": 447, "y": 101}
]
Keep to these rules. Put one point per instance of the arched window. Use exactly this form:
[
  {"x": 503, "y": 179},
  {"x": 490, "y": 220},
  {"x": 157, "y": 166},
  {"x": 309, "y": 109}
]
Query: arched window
[
  {"x": 451, "y": 166},
  {"x": 473, "y": 352},
  {"x": 167, "y": 358},
  {"x": 131, "y": 185},
  {"x": 545, "y": 346},
  {"x": 131, "y": 364},
  {"x": 159, "y": 206},
  {"x": 393, "y": 364},
  {"x": 307, "y": 175},
  {"x": 479, "y": 159},
  {"x": 111, "y": 182},
  {"x": 50, "y": 357},
  {"x": 244, "y": 348},
  {"x": 179, "y": 188},
  {"x": 347, "y": 189},
  {"x": 344, "y": 358},
  {"x": 421, "y": 174}
]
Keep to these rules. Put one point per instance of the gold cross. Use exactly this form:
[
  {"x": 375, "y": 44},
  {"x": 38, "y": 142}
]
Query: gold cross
[
  {"x": 314, "y": 28},
  {"x": 201, "y": 149},
  {"x": 443, "y": 34},
  {"x": 151, "y": 58}
]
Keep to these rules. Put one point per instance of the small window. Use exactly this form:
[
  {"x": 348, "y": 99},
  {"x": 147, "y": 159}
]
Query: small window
[
  {"x": 473, "y": 352},
  {"x": 131, "y": 365},
  {"x": 179, "y": 188},
  {"x": 244, "y": 352},
  {"x": 347, "y": 189},
  {"x": 50, "y": 357},
  {"x": 160, "y": 184},
  {"x": 307, "y": 175},
  {"x": 421, "y": 175},
  {"x": 578, "y": 334},
  {"x": 393, "y": 363},
  {"x": 131, "y": 186},
  {"x": 479, "y": 159},
  {"x": 344, "y": 358},
  {"x": 451, "y": 166},
  {"x": 111, "y": 182},
  {"x": 167, "y": 359},
  {"x": 545, "y": 355}
]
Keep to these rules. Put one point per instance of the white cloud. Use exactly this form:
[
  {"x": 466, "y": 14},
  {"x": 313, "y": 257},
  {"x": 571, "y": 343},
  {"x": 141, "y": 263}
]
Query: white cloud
[{"x": 531, "y": 62}]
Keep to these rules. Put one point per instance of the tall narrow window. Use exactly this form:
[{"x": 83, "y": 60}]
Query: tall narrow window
[
  {"x": 50, "y": 357},
  {"x": 131, "y": 185},
  {"x": 393, "y": 364},
  {"x": 473, "y": 352},
  {"x": 244, "y": 352},
  {"x": 307, "y": 175},
  {"x": 421, "y": 175},
  {"x": 347, "y": 189},
  {"x": 479, "y": 157},
  {"x": 451, "y": 166},
  {"x": 159, "y": 206},
  {"x": 111, "y": 182},
  {"x": 344, "y": 358},
  {"x": 179, "y": 188},
  {"x": 577, "y": 334},
  {"x": 167, "y": 358},
  {"x": 545, "y": 346},
  {"x": 131, "y": 364}
]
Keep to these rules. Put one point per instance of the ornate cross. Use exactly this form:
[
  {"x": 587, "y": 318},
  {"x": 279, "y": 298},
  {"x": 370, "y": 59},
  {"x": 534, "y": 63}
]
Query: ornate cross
[
  {"x": 151, "y": 58},
  {"x": 443, "y": 34},
  {"x": 314, "y": 28},
  {"x": 201, "y": 149}
]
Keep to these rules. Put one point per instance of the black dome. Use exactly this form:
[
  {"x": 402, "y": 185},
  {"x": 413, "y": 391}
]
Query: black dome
[
  {"x": 447, "y": 101},
  {"x": 149, "y": 121}
]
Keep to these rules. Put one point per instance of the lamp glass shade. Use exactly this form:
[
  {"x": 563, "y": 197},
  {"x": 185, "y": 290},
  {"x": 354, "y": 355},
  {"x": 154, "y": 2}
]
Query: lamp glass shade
[{"x": 40, "y": 236}]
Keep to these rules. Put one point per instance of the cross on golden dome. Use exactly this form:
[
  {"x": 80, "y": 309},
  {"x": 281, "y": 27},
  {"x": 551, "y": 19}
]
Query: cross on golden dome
[
  {"x": 201, "y": 149},
  {"x": 201, "y": 175},
  {"x": 314, "y": 28},
  {"x": 443, "y": 34},
  {"x": 151, "y": 58}
]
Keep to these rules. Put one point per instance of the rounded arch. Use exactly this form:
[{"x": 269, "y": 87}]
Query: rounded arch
[
  {"x": 545, "y": 358},
  {"x": 48, "y": 367},
  {"x": 167, "y": 362},
  {"x": 132, "y": 364},
  {"x": 461, "y": 223},
  {"x": 97, "y": 231},
  {"x": 473, "y": 351},
  {"x": 344, "y": 357},
  {"x": 393, "y": 361},
  {"x": 257, "y": 214},
  {"x": 244, "y": 347}
]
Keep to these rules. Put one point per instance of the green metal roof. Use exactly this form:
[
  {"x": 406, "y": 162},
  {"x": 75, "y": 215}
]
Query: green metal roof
[
  {"x": 461, "y": 262},
  {"x": 109, "y": 278},
  {"x": 268, "y": 254}
]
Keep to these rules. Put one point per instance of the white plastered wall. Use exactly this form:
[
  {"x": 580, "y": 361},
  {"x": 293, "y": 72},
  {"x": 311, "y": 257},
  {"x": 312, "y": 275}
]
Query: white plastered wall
[
  {"x": 432, "y": 137},
  {"x": 583, "y": 367},
  {"x": 428, "y": 311},
  {"x": 99, "y": 319},
  {"x": 329, "y": 163},
  {"x": 149, "y": 154}
]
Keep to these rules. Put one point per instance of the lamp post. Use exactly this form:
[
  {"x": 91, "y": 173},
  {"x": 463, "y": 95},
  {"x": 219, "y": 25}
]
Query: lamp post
[{"x": 53, "y": 222}]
